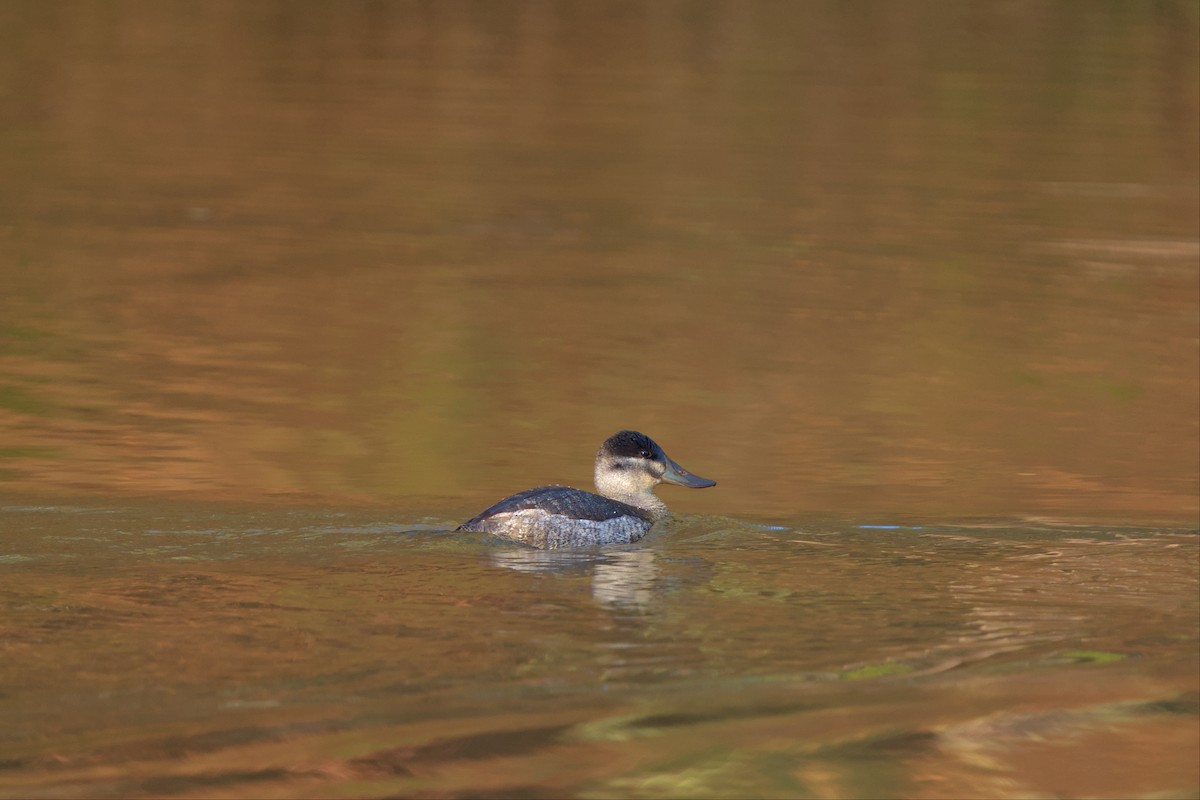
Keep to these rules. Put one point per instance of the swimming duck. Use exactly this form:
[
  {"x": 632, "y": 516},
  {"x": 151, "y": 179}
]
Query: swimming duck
[{"x": 628, "y": 467}]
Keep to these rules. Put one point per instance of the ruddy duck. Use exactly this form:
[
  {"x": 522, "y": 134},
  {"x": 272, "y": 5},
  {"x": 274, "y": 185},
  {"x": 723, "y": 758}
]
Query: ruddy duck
[{"x": 628, "y": 467}]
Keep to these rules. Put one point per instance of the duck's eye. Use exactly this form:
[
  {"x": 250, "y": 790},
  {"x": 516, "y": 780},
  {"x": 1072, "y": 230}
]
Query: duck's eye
[{"x": 644, "y": 453}]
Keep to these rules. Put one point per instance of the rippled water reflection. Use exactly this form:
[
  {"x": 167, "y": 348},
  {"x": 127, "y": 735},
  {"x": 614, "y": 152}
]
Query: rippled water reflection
[{"x": 204, "y": 651}]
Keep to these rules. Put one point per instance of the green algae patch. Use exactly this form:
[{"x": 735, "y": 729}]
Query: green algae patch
[
  {"x": 876, "y": 671},
  {"x": 1094, "y": 656}
]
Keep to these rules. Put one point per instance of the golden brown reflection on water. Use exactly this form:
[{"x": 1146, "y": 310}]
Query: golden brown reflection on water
[
  {"x": 907, "y": 260},
  {"x": 199, "y": 652}
]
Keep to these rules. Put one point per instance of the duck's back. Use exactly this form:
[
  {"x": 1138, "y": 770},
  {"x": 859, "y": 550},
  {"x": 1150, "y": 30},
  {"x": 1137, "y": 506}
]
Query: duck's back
[{"x": 559, "y": 516}]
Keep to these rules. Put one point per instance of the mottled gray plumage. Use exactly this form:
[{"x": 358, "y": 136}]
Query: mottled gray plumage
[
  {"x": 559, "y": 516},
  {"x": 564, "y": 501},
  {"x": 628, "y": 466}
]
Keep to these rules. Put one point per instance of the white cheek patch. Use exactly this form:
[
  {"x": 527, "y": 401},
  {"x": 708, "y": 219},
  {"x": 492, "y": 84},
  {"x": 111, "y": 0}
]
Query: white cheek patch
[{"x": 628, "y": 477}]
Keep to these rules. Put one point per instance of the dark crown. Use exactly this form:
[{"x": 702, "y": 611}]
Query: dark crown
[{"x": 628, "y": 443}]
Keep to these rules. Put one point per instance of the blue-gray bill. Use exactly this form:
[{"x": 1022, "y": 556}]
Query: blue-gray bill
[{"x": 681, "y": 477}]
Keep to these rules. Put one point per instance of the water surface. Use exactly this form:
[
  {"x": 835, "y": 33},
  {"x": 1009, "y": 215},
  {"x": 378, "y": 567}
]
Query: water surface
[
  {"x": 900, "y": 259},
  {"x": 289, "y": 289},
  {"x": 205, "y": 652}
]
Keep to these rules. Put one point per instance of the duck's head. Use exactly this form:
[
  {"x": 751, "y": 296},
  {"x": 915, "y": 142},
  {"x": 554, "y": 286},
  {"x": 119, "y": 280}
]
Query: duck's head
[{"x": 630, "y": 464}]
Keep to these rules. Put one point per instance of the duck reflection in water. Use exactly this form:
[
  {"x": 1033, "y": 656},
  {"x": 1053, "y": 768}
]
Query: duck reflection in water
[
  {"x": 620, "y": 579},
  {"x": 628, "y": 467}
]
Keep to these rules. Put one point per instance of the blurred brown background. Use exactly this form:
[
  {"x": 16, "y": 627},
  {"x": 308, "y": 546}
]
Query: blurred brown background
[{"x": 911, "y": 258}]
